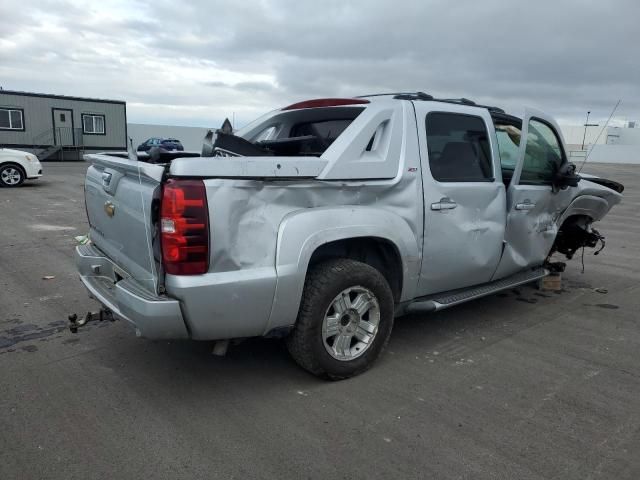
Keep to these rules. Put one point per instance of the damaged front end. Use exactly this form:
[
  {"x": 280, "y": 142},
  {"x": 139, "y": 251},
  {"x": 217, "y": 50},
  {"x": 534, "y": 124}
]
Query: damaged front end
[
  {"x": 597, "y": 196},
  {"x": 577, "y": 233}
]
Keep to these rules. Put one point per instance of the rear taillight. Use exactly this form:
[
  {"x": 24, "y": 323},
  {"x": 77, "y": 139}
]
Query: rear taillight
[{"x": 184, "y": 227}]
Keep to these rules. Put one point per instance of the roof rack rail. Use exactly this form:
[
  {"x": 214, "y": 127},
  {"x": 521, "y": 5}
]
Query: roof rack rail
[
  {"x": 463, "y": 101},
  {"x": 414, "y": 96},
  {"x": 471, "y": 103},
  {"x": 426, "y": 97}
]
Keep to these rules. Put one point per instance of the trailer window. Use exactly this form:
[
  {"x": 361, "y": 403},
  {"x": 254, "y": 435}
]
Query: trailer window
[
  {"x": 11, "y": 119},
  {"x": 93, "y": 124}
]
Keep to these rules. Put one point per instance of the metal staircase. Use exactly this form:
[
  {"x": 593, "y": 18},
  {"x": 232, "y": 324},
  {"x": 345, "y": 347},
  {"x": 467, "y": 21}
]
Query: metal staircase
[
  {"x": 55, "y": 141},
  {"x": 48, "y": 152}
]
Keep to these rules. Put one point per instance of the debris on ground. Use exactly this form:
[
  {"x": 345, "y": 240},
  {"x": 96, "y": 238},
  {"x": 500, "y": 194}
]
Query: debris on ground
[
  {"x": 82, "y": 239},
  {"x": 48, "y": 277},
  {"x": 552, "y": 282}
]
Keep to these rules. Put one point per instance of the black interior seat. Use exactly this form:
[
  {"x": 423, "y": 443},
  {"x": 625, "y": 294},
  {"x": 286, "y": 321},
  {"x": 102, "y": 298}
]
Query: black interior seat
[{"x": 458, "y": 162}]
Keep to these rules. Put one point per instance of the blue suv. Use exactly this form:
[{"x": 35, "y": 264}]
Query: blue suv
[{"x": 170, "y": 144}]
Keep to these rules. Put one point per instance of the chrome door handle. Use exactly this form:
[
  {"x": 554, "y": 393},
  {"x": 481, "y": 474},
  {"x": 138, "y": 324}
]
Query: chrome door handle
[
  {"x": 445, "y": 203},
  {"x": 526, "y": 205}
]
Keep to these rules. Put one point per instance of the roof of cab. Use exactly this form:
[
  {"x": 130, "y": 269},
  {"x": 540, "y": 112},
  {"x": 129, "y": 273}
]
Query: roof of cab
[{"x": 364, "y": 99}]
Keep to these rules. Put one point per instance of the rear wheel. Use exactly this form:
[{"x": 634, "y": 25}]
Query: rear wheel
[
  {"x": 345, "y": 319},
  {"x": 11, "y": 175}
]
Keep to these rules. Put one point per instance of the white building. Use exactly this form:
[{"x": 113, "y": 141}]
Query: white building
[{"x": 612, "y": 145}]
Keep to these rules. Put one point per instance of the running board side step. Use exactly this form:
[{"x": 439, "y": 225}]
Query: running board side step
[{"x": 444, "y": 300}]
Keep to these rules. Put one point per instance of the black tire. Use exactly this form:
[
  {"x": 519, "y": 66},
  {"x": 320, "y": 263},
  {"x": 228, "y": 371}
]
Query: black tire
[
  {"x": 324, "y": 283},
  {"x": 11, "y": 167}
]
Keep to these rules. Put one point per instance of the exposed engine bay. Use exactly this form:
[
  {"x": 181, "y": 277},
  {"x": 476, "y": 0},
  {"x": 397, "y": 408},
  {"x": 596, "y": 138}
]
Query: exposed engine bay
[{"x": 577, "y": 233}]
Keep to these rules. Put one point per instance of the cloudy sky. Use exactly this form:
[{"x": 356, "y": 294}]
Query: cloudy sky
[{"x": 194, "y": 63}]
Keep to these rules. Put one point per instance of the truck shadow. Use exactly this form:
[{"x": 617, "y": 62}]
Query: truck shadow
[{"x": 261, "y": 365}]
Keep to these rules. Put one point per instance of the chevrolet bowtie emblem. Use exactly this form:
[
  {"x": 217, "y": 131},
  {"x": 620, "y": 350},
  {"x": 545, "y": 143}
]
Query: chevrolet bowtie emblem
[{"x": 110, "y": 209}]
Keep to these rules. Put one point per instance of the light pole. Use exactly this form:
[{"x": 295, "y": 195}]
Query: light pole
[{"x": 587, "y": 124}]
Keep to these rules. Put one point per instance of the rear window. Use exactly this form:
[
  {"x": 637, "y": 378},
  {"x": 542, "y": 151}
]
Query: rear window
[
  {"x": 327, "y": 130},
  {"x": 307, "y": 132},
  {"x": 324, "y": 132}
]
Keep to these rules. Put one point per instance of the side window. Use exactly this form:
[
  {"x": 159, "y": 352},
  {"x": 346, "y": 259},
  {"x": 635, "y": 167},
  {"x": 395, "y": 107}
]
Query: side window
[
  {"x": 543, "y": 155},
  {"x": 458, "y": 148},
  {"x": 87, "y": 123}
]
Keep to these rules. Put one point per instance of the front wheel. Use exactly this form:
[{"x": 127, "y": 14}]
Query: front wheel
[
  {"x": 345, "y": 319},
  {"x": 11, "y": 175}
]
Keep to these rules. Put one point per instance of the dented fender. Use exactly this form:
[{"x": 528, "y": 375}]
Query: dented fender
[
  {"x": 587, "y": 205},
  {"x": 591, "y": 199}
]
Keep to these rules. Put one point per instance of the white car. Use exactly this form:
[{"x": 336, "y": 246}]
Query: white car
[{"x": 17, "y": 166}]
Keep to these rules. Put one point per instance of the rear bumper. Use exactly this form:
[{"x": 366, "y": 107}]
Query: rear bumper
[{"x": 151, "y": 315}]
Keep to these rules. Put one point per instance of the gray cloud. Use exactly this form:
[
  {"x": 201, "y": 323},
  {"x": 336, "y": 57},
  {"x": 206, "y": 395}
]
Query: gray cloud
[{"x": 196, "y": 63}]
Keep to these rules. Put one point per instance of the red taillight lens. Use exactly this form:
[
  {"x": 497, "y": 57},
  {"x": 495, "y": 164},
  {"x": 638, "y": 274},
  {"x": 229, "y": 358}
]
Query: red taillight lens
[{"x": 184, "y": 227}]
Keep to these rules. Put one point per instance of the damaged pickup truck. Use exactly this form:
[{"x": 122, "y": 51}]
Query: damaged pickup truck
[{"x": 323, "y": 221}]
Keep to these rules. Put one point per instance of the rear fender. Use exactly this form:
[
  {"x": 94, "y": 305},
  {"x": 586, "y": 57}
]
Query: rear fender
[{"x": 302, "y": 232}]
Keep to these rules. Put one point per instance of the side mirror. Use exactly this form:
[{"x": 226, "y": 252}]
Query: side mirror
[{"x": 567, "y": 176}]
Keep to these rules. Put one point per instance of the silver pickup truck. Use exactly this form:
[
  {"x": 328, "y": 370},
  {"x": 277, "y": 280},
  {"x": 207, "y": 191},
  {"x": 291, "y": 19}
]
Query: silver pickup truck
[{"x": 323, "y": 221}]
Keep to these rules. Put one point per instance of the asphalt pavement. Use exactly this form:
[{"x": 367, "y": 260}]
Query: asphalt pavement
[{"x": 520, "y": 385}]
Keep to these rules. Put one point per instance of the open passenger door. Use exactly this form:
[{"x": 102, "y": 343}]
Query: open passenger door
[{"x": 533, "y": 202}]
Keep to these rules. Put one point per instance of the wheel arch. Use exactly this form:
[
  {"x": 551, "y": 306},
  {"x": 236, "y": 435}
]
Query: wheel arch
[
  {"x": 585, "y": 206},
  {"x": 308, "y": 236},
  {"x": 380, "y": 253},
  {"x": 13, "y": 163}
]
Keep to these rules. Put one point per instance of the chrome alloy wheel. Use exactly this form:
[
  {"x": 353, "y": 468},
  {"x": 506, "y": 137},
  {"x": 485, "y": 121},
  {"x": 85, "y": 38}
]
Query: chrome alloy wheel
[
  {"x": 351, "y": 323},
  {"x": 11, "y": 176}
]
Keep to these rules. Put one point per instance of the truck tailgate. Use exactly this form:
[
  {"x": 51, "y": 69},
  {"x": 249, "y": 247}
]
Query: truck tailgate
[{"x": 119, "y": 195}]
